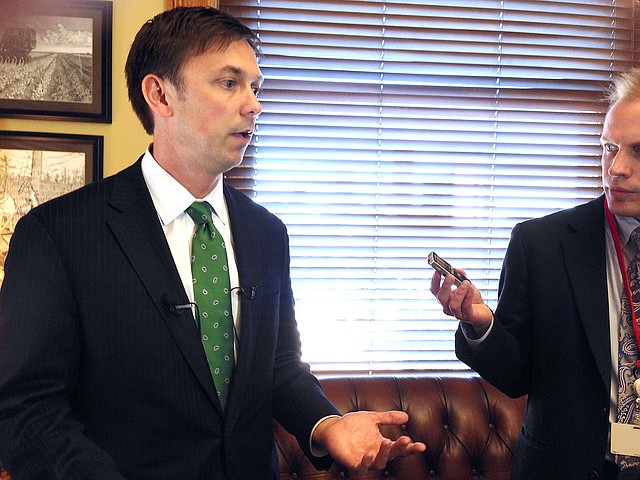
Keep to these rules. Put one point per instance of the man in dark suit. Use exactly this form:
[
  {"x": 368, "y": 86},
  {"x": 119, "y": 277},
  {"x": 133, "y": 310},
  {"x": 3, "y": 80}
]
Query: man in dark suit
[
  {"x": 554, "y": 334},
  {"x": 102, "y": 369}
]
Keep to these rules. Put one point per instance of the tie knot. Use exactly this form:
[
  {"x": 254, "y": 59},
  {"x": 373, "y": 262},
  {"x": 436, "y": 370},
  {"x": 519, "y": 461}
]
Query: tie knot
[{"x": 200, "y": 213}]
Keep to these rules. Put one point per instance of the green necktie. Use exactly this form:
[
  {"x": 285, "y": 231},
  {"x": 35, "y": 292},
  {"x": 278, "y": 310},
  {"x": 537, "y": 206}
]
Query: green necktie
[{"x": 211, "y": 291}]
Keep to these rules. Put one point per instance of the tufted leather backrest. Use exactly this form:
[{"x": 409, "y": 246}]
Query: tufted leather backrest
[{"x": 469, "y": 427}]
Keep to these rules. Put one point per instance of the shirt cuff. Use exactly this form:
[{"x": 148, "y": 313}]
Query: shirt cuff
[
  {"x": 469, "y": 335},
  {"x": 315, "y": 450}
]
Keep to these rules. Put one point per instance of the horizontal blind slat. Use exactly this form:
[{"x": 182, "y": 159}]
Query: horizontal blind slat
[{"x": 393, "y": 128}]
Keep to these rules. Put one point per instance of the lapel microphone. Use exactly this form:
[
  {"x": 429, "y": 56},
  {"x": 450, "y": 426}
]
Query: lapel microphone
[
  {"x": 174, "y": 307},
  {"x": 249, "y": 293}
]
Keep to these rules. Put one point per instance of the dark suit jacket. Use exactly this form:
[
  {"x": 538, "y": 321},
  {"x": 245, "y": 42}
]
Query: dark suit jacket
[
  {"x": 550, "y": 340},
  {"x": 98, "y": 379}
]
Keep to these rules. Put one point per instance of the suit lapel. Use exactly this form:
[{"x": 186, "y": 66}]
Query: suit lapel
[
  {"x": 139, "y": 234},
  {"x": 247, "y": 250},
  {"x": 584, "y": 249}
]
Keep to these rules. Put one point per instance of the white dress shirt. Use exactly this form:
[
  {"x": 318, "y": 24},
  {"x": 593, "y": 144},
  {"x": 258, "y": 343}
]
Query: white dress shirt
[{"x": 171, "y": 200}]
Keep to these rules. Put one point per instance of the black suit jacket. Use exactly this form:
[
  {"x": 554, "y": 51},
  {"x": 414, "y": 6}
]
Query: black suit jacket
[
  {"x": 99, "y": 379},
  {"x": 550, "y": 340}
]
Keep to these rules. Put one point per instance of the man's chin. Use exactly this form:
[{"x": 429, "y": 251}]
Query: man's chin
[
  {"x": 624, "y": 207},
  {"x": 231, "y": 162}
]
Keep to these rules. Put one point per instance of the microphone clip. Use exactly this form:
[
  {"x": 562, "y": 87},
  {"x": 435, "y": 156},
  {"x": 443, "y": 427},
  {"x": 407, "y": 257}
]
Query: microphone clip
[
  {"x": 249, "y": 292},
  {"x": 175, "y": 308}
]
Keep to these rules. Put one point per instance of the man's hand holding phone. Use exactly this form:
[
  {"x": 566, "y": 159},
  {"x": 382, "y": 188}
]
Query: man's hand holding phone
[
  {"x": 443, "y": 267},
  {"x": 459, "y": 298}
]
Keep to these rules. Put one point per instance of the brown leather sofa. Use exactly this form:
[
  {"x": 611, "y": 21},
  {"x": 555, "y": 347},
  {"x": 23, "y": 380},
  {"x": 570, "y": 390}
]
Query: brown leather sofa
[{"x": 469, "y": 427}]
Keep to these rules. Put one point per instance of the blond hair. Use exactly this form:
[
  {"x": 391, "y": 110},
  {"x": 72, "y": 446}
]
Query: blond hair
[{"x": 626, "y": 86}]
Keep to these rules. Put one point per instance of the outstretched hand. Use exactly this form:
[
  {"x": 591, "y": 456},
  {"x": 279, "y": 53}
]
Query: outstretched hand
[{"x": 355, "y": 441}]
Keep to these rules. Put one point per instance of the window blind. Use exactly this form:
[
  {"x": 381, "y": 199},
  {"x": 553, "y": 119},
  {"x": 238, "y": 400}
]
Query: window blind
[{"x": 393, "y": 128}]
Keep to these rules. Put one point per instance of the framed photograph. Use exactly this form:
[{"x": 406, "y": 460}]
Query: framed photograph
[
  {"x": 192, "y": 3},
  {"x": 55, "y": 60},
  {"x": 36, "y": 167}
]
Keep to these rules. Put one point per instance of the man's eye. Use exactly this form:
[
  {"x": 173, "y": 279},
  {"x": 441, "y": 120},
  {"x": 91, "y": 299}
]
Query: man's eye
[
  {"x": 229, "y": 83},
  {"x": 610, "y": 147},
  {"x": 256, "y": 91}
]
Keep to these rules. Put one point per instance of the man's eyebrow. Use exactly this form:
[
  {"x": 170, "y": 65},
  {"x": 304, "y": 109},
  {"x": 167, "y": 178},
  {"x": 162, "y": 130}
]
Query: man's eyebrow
[
  {"x": 233, "y": 70},
  {"x": 239, "y": 72}
]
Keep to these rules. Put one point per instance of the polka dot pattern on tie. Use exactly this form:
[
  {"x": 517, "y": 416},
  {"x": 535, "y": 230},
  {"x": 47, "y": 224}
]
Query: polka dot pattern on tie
[{"x": 211, "y": 290}]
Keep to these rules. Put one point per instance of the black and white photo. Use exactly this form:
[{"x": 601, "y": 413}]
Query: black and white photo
[{"x": 55, "y": 60}]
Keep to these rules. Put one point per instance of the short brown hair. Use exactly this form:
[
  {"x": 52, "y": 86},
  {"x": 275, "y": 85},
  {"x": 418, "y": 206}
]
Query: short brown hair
[{"x": 164, "y": 43}]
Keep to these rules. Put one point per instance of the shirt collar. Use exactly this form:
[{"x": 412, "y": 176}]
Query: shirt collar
[
  {"x": 626, "y": 225},
  {"x": 171, "y": 199}
]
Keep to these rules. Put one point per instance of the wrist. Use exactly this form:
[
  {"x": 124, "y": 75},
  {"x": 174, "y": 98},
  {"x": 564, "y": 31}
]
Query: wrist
[
  {"x": 478, "y": 329},
  {"x": 318, "y": 440}
]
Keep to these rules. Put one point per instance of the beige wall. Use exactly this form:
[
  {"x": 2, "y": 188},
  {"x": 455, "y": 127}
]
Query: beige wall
[{"x": 124, "y": 138}]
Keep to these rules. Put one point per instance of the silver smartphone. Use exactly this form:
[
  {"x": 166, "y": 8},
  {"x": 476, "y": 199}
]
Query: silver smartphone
[{"x": 441, "y": 265}]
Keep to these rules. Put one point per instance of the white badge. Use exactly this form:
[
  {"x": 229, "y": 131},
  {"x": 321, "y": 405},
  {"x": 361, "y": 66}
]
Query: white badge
[{"x": 625, "y": 439}]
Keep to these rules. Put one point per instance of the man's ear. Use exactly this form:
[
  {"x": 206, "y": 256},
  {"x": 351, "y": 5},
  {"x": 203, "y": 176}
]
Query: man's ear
[{"x": 154, "y": 89}]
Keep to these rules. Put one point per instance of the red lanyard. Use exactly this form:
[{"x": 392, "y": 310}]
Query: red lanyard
[{"x": 623, "y": 270}]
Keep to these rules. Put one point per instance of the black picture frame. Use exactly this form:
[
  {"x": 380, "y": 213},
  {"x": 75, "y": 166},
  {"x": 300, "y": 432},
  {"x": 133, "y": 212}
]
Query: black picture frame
[
  {"x": 36, "y": 167},
  {"x": 55, "y": 60}
]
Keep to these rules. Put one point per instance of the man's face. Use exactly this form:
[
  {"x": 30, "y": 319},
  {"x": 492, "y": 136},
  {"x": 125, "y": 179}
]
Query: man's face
[
  {"x": 215, "y": 108},
  {"x": 621, "y": 158}
]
